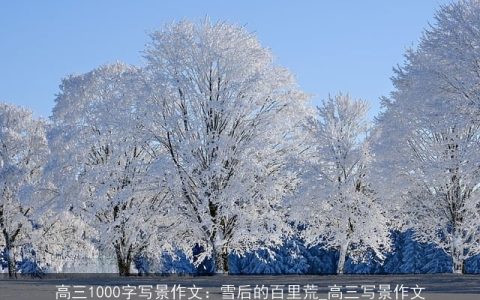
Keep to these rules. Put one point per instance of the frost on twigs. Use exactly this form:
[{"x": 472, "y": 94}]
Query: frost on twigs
[
  {"x": 228, "y": 120},
  {"x": 337, "y": 205},
  {"x": 430, "y": 135},
  {"x": 101, "y": 164},
  {"x": 23, "y": 152}
]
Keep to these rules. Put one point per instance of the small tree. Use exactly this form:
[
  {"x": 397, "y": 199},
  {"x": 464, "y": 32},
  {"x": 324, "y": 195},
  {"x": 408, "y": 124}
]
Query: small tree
[{"x": 337, "y": 206}]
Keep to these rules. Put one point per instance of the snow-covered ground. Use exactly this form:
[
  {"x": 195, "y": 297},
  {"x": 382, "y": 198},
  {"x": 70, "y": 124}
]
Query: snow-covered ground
[{"x": 436, "y": 286}]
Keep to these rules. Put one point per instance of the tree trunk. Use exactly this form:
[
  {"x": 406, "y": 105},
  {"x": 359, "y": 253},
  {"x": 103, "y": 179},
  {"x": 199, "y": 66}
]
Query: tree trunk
[
  {"x": 458, "y": 262},
  {"x": 12, "y": 270},
  {"x": 221, "y": 262},
  {"x": 341, "y": 258},
  {"x": 124, "y": 262},
  {"x": 458, "y": 266}
]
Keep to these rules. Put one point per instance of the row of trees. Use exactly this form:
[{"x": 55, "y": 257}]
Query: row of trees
[{"x": 212, "y": 146}]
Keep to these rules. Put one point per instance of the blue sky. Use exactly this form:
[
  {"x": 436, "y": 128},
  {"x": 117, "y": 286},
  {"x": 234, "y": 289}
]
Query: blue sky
[{"x": 330, "y": 46}]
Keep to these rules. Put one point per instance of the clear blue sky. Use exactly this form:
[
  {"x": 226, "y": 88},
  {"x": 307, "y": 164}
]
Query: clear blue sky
[{"x": 331, "y": 46}]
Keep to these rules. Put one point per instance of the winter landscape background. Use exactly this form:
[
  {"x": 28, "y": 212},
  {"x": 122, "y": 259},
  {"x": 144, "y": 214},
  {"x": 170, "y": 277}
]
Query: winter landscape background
[{"x": 209, "y": 157}]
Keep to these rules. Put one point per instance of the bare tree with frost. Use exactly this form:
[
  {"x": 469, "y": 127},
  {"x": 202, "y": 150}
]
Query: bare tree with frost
[
  {"x": 337, "y": 206},
  {"x": 228, "y": 118}
]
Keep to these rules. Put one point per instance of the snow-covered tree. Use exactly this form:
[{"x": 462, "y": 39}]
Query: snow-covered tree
[
  {"x": 23, "y": 149},
  {"x": 434, "y": 176},
  {"x": 337, "y": 206},
  {"x": 449, "y": 56},
  {"x": 100, "y": 163},
  {"x": 430, "y": 135},
  {"x": 228, "y": 118},
  {"x": 60, "y": 240}
]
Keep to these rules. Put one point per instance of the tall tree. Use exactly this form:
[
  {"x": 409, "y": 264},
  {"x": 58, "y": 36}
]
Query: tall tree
[
  {"x": 101, "y": 164},
  {"x": 430, "y": 133},
  {"x": 23, "y": 149},
  {"x": 337, "y": 206},
  {"x": 228, "y": 118}
]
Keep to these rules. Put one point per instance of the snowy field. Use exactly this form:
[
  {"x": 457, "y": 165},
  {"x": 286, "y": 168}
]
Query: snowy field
[{"x": 436, "y": 286}]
